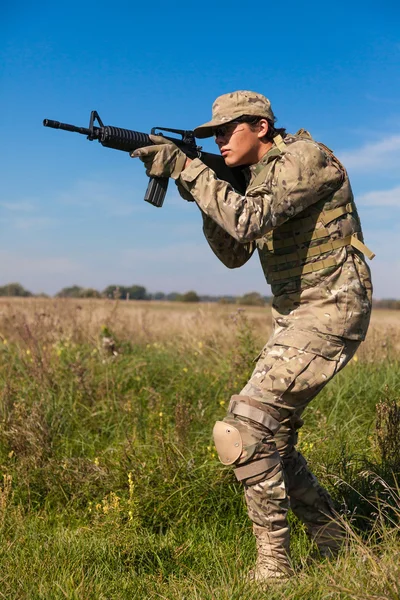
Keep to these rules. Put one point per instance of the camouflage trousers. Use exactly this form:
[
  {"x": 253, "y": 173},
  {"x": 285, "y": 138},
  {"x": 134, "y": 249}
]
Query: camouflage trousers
[{"x": 292, "y": 368}]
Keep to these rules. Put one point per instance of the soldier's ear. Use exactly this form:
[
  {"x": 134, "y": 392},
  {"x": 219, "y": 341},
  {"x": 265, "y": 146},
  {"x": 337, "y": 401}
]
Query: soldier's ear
[{"x": 263, "y": 128}]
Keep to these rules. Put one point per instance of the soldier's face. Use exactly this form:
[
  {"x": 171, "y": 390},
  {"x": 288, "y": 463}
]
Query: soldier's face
[{"x": 240, "y": 145}]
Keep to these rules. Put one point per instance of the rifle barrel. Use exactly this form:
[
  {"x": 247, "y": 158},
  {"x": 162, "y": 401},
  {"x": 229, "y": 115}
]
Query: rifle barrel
[{"x": 66, "y": 127}]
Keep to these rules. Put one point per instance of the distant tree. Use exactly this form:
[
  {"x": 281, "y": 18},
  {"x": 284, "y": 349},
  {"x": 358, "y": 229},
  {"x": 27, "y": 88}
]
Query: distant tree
[
  {"x": 136, "y": 292},
  {"x": 251, "y": 299},
  {"x": 15, "y": 290},
  {"x": 90, "y": 293},
  {"x": 74, "y": 291},
  {"x": 133, "y": 292},
  {"x": 114, "y": 291},
  {"x": 158, "y": 296},
  {"x": 388, "y": 303},
  {"x": 173, "y": 297},
  {"x": 190, "y": 296},
  {"x": 226, "y": 300}
]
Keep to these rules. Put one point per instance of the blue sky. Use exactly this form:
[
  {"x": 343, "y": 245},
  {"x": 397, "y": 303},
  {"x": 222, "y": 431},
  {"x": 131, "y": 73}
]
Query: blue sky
[{"x": 72, "y": 212}]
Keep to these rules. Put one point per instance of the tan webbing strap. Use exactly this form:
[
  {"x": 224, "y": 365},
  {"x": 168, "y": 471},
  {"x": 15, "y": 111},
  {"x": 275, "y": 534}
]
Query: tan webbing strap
[
  {"x": 272, "y": 245},
  {"x": 309, "y": 252},
  {"x": 328, "y": 216},
  {"x": 310, "y": 268},
  {"x": 278, "y": 141},
  {"x": 324, "y": 216},
  {"x": 358, "y": 244},
  {"x": 255, "y": 414},
  {"x": 256, "y": 467},
  {"x": 350, "y": 240}
]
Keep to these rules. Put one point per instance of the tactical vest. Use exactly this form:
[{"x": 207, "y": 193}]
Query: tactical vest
[{"x": 302, "y": 244}]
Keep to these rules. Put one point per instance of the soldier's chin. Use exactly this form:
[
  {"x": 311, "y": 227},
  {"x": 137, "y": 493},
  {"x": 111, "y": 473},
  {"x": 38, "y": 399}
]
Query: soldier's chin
[{"x": 231, "y": 161}]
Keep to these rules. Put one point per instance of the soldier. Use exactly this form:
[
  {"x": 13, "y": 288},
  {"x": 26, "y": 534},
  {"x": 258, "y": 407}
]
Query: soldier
[{"x": 298, "y": 211}]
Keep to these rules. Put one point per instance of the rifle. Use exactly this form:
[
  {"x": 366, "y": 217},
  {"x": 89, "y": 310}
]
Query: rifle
[{"x": 128, "y": 140}]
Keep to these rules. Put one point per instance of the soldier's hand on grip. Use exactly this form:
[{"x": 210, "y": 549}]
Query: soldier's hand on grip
[{"x": 164, "y": 159}]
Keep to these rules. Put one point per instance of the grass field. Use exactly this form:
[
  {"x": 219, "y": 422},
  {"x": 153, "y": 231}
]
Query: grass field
[{"x": 111, "y": 487}]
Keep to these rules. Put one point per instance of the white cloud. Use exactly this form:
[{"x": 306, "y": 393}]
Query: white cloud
[
  {"x": 379, "y": 198},
  {"x": 383, "y": 154}
]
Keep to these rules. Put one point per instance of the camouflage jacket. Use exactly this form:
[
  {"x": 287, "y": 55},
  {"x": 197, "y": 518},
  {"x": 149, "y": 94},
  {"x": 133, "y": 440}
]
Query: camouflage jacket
[{"x": 299, "y": 212}]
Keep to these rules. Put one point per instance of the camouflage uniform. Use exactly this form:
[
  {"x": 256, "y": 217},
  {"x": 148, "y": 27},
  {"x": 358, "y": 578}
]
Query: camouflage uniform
[{"x": 298, "y": 211}]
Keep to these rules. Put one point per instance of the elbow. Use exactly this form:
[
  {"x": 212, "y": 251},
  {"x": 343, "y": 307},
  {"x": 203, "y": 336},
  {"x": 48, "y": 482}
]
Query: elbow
[
  {"x": 246, "y": 236},
  {"x": 234, "y": 265}
]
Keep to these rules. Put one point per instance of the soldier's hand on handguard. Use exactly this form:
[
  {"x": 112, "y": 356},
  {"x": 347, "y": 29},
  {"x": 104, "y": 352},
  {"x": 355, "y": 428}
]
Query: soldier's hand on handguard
[{"x": 164, "y": 159}]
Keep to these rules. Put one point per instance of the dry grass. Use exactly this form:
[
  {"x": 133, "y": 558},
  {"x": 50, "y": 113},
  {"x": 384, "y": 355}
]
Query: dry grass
[{"x": 49, "y": 320}]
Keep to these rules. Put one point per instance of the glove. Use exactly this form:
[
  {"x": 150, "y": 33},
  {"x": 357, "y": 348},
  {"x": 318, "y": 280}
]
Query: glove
[{"x": 162, "y": 160}]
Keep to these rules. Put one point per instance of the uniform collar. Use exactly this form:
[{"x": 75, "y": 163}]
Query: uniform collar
[{"x": 251, "y": 172}]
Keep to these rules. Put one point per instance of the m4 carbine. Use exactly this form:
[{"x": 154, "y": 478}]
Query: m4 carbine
[{"x": 128, "y": 140}]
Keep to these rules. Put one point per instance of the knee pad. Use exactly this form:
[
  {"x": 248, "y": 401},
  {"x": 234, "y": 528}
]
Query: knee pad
[{"x": 245, "y": 438}]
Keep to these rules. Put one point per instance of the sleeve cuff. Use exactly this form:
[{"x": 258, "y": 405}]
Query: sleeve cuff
[{"x": 193, "y": 170}]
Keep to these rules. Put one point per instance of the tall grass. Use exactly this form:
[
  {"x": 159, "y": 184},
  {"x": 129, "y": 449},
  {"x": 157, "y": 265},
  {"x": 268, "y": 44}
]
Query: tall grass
[{"x": 110, "y": 485}]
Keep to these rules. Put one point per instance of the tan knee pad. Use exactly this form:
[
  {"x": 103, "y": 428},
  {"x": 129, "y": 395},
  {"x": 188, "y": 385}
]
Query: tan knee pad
[
  {"x": 228, "y": 442},
  {"x": 244, "y": 439}
]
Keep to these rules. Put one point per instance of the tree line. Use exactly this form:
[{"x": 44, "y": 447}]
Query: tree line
[
  {"x": 139, "y": 292},
  {"x": 135, "y": 292}
]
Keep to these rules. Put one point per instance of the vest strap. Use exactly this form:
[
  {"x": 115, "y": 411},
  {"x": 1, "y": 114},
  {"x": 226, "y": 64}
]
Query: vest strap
[
  {"x": 278, "y": 141},
  {"x": 288, "y": 242},
  {"x": 350, "y": 240},
  {"x": 308, "y": 252},
  {"x": 325, "y": 216},
  {"x": 328, "y": 216},
  {"x": 358, "y": 244},
  {"x": 304, "y": 270}
]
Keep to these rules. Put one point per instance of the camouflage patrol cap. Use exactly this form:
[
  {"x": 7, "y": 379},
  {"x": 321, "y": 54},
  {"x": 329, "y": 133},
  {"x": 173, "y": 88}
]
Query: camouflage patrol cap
[{"x": 229, "y": 107}]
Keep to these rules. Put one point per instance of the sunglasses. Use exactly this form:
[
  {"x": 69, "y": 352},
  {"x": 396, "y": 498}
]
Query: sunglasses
[{"x": 225, "y": 130}]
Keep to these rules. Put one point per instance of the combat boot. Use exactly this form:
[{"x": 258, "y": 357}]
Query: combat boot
[{"x": 272, "y": 564}]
